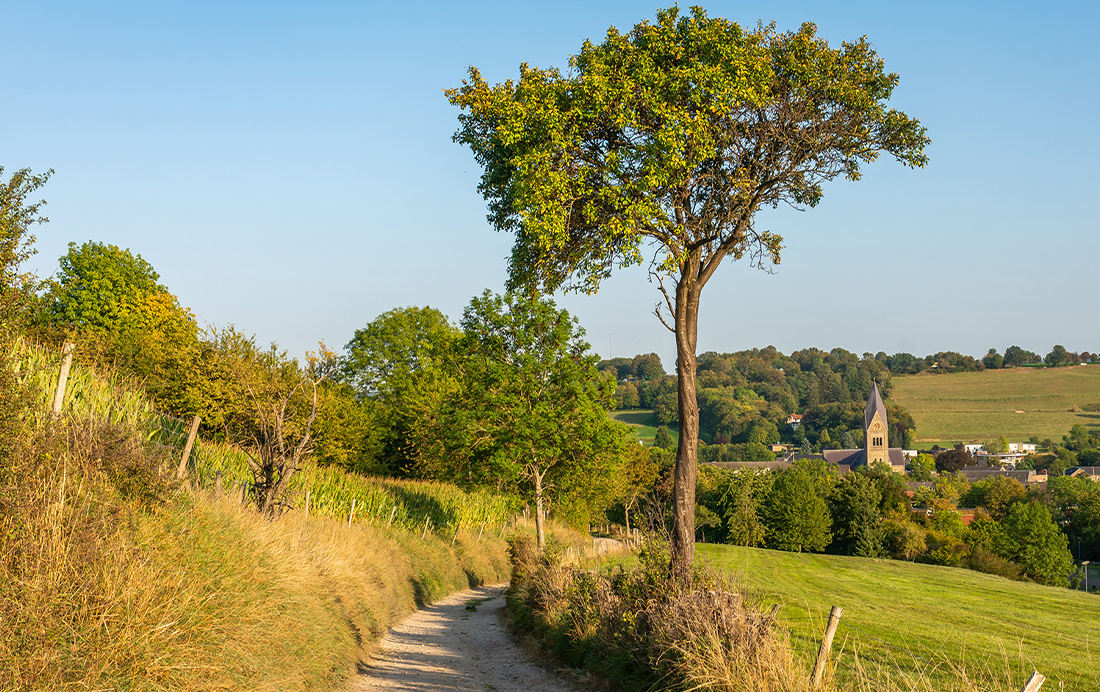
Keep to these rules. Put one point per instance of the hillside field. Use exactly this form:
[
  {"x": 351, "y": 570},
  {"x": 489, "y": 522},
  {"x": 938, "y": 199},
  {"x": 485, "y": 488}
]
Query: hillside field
[
  {"x": 644, "y": 422},
  {"x": 982, "y": 405},
  {"x": 935, "y": 618}
]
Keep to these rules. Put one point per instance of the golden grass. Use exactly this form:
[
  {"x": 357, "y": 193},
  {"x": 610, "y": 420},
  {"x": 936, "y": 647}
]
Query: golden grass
[
  {"x": 983, "y": 405},
  {"x": 113, "y": 578}
]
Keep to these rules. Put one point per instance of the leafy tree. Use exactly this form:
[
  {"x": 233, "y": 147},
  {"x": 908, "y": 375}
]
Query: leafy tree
[
  {"x": 113, "y": 300},
  {"x": 662, "y": 439},
  {"x": 953, "y": 460},
  {"x": 17, "y": 216},
  {"x": 531, "y": 414},
  {"x": 648, "y": 367},
  {"x": 638, "y": 474},
  {"x": 993, "y": 360},
  {"x": 996, "y": 494},
  {"x": 670, "y": 138},
  {"x": 269, "y": 404},
  {"x": 1057, "y": 356},
  {"x": 1015, "y": 357},
  {"x": 795, "y": 514},
  {"x": 101, "y": 288},
  {"x": 923, "y": 467},
  {"x": 741, "y": 503},
  {"x": 626, "y": 395},
  {"x": 857, "y": 522},
  {"x": 1076, "y": 505},
  {"x": 1036, "y": 544},
  {"x": 400, "y": 361}
]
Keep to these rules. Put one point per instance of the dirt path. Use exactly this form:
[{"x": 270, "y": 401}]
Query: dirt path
[{"x": 447, "y": 647}]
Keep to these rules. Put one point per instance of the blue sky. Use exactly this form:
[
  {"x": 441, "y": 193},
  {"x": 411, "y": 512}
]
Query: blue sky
[{"x": 288, "y": 167}]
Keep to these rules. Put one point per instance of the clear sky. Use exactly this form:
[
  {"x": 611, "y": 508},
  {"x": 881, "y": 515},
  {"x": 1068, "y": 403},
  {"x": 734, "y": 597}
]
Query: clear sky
[{"x": 288, "y": 168}]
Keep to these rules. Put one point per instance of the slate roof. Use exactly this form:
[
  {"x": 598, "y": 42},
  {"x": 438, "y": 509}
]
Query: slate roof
[
  {"x": 1089, "y": 470},
  {"x": 977, "y": 473},
  {"x": 874, "y": 404},
  {"x": 858, "y": 457},
  {"x": 755, "y": 465}
]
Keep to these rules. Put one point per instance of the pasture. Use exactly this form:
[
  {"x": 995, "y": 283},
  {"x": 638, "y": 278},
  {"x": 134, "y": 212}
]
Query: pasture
[
  {"x": 1016, "y": 402},
  {"x": 902, "y": 618},
  {"x": 644, "y": 423}
]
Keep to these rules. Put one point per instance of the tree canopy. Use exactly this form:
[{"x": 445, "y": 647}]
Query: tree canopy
[
  {"x": 663, "y": 143},
  {"x": 531, "y": 414}
]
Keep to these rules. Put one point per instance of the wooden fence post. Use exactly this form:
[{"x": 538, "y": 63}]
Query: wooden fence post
[
  {"x": 455, "y": 537},
  {"x": 352, "y": 515},
  {"x": 63, "y": 377},
  {"x": 1034, "y": 682},
  {"x": 181, "y": 472},
  {"x": 826, "y": 645},
  {"x": 218, "y": 484},
  {"x": 482, "y": 530},
  {"x": 425, "y": 533},
  {"x": 307, "y": 503},
  {"x": 393, "y": 512}
]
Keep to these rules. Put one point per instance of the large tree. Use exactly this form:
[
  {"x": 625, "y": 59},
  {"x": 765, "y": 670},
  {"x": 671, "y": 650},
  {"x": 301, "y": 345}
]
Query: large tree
[{"x": 663, "y": 143}]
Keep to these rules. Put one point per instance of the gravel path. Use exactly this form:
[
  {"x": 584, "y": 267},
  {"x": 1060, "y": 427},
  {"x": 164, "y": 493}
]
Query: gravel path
[{"x": 448, "y": 647}]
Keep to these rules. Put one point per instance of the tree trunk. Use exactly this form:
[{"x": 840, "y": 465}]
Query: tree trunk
[
  {"x": 539, "y": 529},
  {"x": 683, "y": 512}
]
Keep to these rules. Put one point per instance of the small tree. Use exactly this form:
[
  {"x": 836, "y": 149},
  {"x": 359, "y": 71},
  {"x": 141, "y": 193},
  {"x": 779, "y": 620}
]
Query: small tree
[
  {"x": 531, "y": 414},
  {"x": 269, "y": 407},
  {"x": 17, "y": 216},
  {"x": 662, "y": 440}
]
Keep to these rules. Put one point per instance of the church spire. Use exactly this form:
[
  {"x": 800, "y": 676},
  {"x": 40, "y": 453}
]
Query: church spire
[{"x": 874, "y": 405}]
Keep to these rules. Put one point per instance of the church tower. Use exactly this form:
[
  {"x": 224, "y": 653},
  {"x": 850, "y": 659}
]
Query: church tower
[{"x": 876, "y": 437}]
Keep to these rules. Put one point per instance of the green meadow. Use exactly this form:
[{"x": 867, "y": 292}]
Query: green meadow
[
  {"x": 644, "y": 422},
  {"x": 1015, "y": 402},
  {"x": 902, "y": 618}
]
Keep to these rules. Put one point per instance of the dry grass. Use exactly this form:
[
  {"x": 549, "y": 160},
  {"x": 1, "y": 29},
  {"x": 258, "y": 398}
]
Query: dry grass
[
  {"x": 113, "y": 578},
  {"x": 982, "y": 405},
  {"x": 636, "y": 630}
]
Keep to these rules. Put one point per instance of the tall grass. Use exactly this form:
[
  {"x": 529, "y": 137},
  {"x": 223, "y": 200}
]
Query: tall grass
[{"x": 113, "y": 577}]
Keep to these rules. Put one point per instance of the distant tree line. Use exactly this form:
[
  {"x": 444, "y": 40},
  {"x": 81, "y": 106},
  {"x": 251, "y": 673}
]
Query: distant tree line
[
  {"x": 951, "y": 362},
  {"x": 746, "y": 397}
]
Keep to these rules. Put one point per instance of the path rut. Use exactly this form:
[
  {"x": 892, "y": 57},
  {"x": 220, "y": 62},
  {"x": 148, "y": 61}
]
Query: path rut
[{"x": 447, "y": 647}]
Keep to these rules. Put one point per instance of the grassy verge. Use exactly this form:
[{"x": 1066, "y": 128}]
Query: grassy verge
[
  {"x": 113, "y": 577},
  {"x": 983, "y": 405},
  {"x": 905, "y": 619}
]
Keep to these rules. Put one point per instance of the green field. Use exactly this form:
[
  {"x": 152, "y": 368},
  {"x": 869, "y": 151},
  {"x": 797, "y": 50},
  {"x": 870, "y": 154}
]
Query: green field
[
  {"x": 644, "y": 422},
  {"x": 912, "y": 617},
  {"x": 983, "y": 405}
]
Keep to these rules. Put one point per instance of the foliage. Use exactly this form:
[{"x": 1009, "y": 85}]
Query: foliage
[
  {"x": 639, "y": 629},
  {"x": 17, "y": 216},
  {"x": 398, "y": 365},
  {"x": 531, "y": 416},
  {"x": 923, "y": 467},
  {"x": 671, "y": 138},
  {"x": 857, "y": 522},
  {"x": 663, "y": 440},
  {"x": 1034, "y": 542},
  {"x": 795, "y": 514},
  {"x": 953, "y": 460}
]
